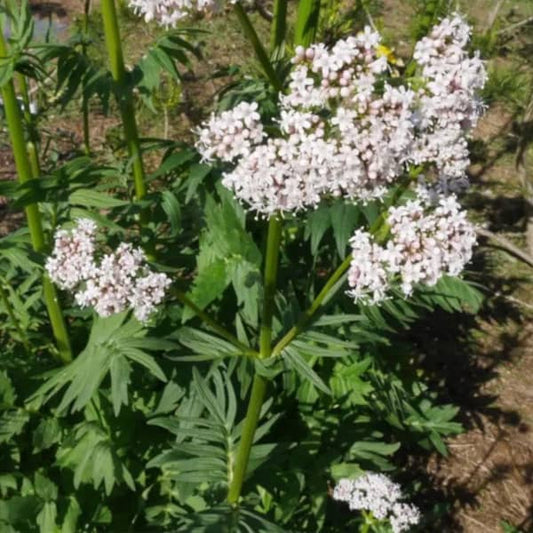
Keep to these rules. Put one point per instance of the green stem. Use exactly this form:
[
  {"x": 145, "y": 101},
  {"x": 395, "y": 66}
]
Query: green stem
[
  {"x": 247, "y": 438},
  {"x": 257, "y": 395},
  {"x": 11, "y": 313},
  {"x": 31, "y": 145},
  {"x": 309, "y": 314},
  {"x": 223, "y": 332},
  {"x": 332, "y": 285},
  {"x": 33, "y": 216},
  {"x": 34, "y": 159},
  {"x": 269, "y": 289},
  {"x": 258, "y": 47},
  {"x": 124, "y": 96},
  {"x": 306, "y": 22},
  {"x": 278, "y": 30},
  {"x": 25, "y": 94},
  {"x": 85, "y": 100}
]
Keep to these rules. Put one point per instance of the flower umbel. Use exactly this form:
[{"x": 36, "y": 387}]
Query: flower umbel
[
  {"x": 115, "y": 282},
  {"x": 428, "y": 239},
  {"x": 345, "y": 128},
  {"x": 381, "y": 496},
  {"x": 170, "y": 12}
]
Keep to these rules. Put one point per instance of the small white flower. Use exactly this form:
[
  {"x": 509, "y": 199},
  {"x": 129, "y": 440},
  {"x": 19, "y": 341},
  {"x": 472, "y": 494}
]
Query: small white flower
[
  {"x": 426, "y": 242},
  {"x": 117, "y": 281},
  {"x": 380, "y": 495},
  {"x": 342, "y": 133},
  {"x": 170, "y": 12}
]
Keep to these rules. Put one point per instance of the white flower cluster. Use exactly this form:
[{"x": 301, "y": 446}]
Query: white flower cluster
[
  {"x": 231, "y": 134},
  {"x": 449, "y": 107},
  {"x": 378, "y": 494},
  {"x": 344, "y": 130},
  {"x": 169, "y": 12},
  {"x": 427, "y": 240},
  {"x": 110, "y": 284}
]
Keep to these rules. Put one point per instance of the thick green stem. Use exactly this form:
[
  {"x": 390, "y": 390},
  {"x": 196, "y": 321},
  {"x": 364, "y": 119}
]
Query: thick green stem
[
  {"x": 215, "y": 326},
  {"x": 259, "y": 386},
  {"x": 85, "y": 100},
  {"x": 124, "y": 96},
  {"x": 258, "y": 47},
  {"x": 247, "y": 438},
  {"x": 34, "y": 159},
  {"x": 309, "y": 314},
  {"x": 331, "y": 286},
  {"x": 306, "y": 22},
  {"x": 269, "y": 289},
  {"x": 278, "y": 30},
  {"x": 24, "y": 171}
]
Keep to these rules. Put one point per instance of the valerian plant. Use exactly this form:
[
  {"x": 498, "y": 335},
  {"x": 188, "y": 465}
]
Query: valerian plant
[{"x": 225, "y": 327}]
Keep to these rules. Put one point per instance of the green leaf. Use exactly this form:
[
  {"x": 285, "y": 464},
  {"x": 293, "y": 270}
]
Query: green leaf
[
  {"x": 44, "y": 488},
  {"x": 208, "y": 284},
  {"x": 171, "y": 206},
  {"x": 303, "y": 369},
  {"x": 70, "y": 522},
  {"x": 346, "y": 470},
  {"x": 120, "y": 380},
  {"x": 318, "y": 223},
  {"x": 92, "y": 198},
  {"x": 46, "y": 519},
  {"x": 111, "y": 346},
  {"x": 47, "y": 433},
  {"x": 344, "y": 218}
]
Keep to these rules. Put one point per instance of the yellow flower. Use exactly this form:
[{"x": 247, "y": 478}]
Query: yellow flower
[{"x": 387, "y": 52}]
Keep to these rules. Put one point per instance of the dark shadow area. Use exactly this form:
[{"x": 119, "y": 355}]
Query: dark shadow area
[{"x": 48, "y": 9}]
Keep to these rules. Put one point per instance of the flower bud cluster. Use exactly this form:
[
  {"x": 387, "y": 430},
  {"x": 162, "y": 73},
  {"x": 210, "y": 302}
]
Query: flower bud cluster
[
  {"x": 110, "y": 283},
  {"x": 379, "y": 495},
  {"x": 449, "y": 106},
  {"x": 344, "y": 130},
  {"x": 169, "y": 12},
  {"x": 427, "y": 240},
  {"x": 231, "y": 134}
]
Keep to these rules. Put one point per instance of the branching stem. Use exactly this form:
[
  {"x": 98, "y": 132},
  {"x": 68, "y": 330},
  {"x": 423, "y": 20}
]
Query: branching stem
[{"x": 213, "y": 324}]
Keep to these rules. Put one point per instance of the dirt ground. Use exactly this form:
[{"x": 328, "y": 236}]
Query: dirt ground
[{"x": 486, "y": 363}]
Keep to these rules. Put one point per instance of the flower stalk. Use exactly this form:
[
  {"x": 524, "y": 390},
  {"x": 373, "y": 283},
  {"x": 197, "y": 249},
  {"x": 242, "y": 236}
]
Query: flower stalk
[
  {"x": 85, "y": 99},
  {"x": 124, "y": 97},
  {"x": 24, "y": 171},
  {"x": 259, "y": 385}
]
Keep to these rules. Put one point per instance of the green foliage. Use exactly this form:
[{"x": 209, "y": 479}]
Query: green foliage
[
  {"x": 427, "y": 14},
  {"x": 142, "y": 431},
  {"x": 163, "y": 57},
  {"x": 114, "y": 344}
]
